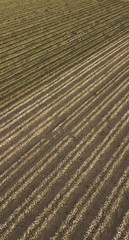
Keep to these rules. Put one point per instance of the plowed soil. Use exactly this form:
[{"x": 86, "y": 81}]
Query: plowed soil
[{"x": 64, "y": 135}]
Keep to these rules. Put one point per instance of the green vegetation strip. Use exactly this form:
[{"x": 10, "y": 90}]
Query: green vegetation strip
[
  {"x": 53, "y": 48},
  {"x": 75, "y": 46},
  {"x": 64, "y": 22}
]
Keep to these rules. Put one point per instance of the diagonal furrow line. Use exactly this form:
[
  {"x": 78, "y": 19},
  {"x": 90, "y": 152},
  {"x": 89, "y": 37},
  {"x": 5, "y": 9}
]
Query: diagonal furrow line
[
  {"x": 107, "y": 210},
  {"x": 48, "y": 121},
  {"x": 57, "y": 30},
  {"x": 38, "y": 84},
  {"x": 51, "y": 20},
  {"x": 38, "y": 58},
  {"x": 84, "y": 108},
  {"x": 80, "y": 13},
  {"x": 124, "y": 226},
  {"x": 96, "y": 112},
  {"x": 125, "y": 99},
  {"x": 62, "y": 76},
  {"x": 79, "y": 216},
  {"x": 116, "y": 12},
  {"x": 114, "y": 131},
  {"x": 92, "y": 114},
  {"x": 35, "y": 225},
  {"x": 109, "y": 202},
  {"x": 49, "y": 61},
  {"x": 70, "y": 80},
  {"x": 20, "y": 80},
  {"x": 79, "y": 27},
  {"x": 108, "y": 169}
]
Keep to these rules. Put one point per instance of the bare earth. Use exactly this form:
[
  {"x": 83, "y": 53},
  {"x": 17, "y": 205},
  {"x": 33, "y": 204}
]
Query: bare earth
[{"x": 64, "y": 147}]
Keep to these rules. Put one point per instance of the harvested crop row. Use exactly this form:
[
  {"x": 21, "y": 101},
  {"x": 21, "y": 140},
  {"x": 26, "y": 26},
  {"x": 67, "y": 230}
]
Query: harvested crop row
[
  {"x": 61, "y": 151},
  {"x": 51, "y": 108},
  {"x": 59, "y": 82},
  {"x": 64, "y": 146}
]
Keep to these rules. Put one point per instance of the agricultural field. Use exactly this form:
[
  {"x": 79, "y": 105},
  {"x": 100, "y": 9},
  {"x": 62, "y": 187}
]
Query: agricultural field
[{"x": 64, "y": 120}]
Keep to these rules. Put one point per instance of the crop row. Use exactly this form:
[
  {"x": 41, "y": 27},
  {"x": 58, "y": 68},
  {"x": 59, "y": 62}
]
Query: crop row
[
  {"x": 48, "y": 70},
  {"x": 52, "y": 74},
  {"x": 60, "y": 23},
  {"x": 60, "y": 80},
  {"x": 65, "y": 141},
  {"x": 77, "y": 86}
]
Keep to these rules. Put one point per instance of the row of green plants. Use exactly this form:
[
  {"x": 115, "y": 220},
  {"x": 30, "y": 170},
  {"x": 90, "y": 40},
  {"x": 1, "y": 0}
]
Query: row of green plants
[
  {"x": 65, "y": 39},
  {"x": 58, "y": 58},
  {"x": 78, "y": 42}
]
